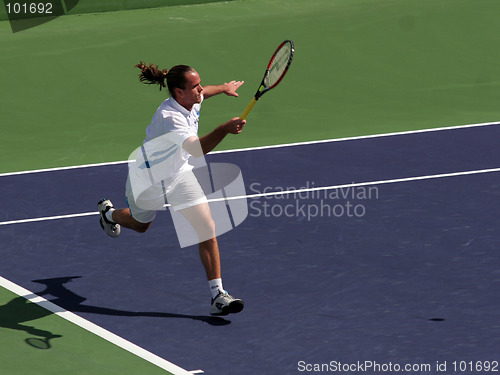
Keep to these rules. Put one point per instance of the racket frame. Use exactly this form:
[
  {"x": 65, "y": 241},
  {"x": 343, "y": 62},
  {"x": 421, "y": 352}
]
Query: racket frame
[{"x": 263, "y": 88}]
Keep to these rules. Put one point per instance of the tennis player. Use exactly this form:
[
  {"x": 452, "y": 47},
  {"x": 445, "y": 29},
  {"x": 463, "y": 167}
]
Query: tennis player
[{"x": 180, "y": 114}]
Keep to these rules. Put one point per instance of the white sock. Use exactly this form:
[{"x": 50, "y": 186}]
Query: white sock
[
  {"x": 109, "y": 214},
  {"x": 215, "y": 287}
]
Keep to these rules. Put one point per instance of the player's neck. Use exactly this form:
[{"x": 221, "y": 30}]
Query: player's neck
[{"x": 188, "y": 106}]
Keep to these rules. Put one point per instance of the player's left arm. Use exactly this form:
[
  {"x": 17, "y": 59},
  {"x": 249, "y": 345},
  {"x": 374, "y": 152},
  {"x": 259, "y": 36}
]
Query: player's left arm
[{"x": 228, "y": 88}]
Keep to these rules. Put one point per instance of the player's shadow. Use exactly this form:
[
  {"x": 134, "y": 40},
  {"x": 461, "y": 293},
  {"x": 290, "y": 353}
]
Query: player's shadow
[
  {"x": 20, "y": 310},
  {"x": 71, "y": 301}
]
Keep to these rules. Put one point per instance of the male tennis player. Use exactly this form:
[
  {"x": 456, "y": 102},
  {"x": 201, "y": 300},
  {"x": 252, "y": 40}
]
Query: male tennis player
[{"x": 180, "y": 114}]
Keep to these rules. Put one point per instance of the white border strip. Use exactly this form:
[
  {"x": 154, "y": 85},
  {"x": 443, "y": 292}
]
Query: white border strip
[
  {"x": 47, "y": 218},
  {"x": 409, "y": 132},
  {"x": 269, "y": 147},
  {"x": 95, "y": 329},
  {"x": 285, "y": 192},
  {"x": 62, "y": 168},
  {"x": 354, "y": 184},
  {"x": 370, "y": 183}
]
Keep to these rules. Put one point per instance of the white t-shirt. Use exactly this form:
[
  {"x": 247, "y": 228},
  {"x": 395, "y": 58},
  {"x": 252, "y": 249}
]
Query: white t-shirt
[
  {"x": 180, "y": 124},
  {"x": 161, "y": 162}
]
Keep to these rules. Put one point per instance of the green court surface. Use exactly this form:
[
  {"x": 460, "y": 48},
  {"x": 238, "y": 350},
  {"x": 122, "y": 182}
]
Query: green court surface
[
  {"x": 70, "y": 95},
  {"x": 26, "y": 328}
]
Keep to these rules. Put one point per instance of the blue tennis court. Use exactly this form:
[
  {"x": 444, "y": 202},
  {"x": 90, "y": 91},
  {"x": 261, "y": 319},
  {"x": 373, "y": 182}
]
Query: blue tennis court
[{"x": 396, "y": 263}]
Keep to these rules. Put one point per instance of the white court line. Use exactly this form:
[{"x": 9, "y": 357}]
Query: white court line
[
  {"x": 409, "y": 132},
  {"x": 285, "y": 192},
  {"x": 95, "y": 329},
  {"x": 370, "y": 183},
  {"x": 62, "y": 168},
  {"x": 47, "y": 218},
  {"x": 360, "y": 137}
]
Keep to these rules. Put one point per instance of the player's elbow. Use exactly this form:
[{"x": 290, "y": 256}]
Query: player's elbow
[{"x": 193, "y": 146}]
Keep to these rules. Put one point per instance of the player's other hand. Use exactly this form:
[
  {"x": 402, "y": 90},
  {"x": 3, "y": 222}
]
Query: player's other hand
[
  {"x": 235, "y": 125},
  {"x": 231, "y": 87}
]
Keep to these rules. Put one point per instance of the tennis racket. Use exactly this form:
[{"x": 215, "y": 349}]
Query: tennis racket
[{"x": 275, "y": 71}]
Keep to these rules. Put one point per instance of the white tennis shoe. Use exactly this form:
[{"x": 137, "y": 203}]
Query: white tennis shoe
[
  {"x": 111, "y": 229},
  {"x": 225, "y": 304}
]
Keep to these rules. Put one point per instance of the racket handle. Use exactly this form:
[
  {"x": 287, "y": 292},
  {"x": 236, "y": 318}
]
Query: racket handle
[{"x": 248, "y": 109}]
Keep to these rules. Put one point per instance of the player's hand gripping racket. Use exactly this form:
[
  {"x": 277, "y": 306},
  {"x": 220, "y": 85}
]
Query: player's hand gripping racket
[{"x": 276, "y": 70}]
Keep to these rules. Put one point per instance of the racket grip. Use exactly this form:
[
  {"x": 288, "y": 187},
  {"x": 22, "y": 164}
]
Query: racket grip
[{"x": 248, "y": 109}]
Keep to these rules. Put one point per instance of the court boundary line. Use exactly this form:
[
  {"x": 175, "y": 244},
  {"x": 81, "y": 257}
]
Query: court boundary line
[
  {"x": 353, "y": 185},
  {"x": 344, "y": 139},
  {"x": 95, "y": 329},
  {"x": 285, "y": 192}
]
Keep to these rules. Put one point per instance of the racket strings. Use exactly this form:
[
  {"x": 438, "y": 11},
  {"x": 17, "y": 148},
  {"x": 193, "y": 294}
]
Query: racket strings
[{"x": 279, "y": 64}]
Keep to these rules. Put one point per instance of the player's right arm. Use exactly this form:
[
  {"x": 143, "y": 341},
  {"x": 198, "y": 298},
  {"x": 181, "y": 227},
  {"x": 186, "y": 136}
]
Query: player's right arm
[{"x": 202, "y": 146}]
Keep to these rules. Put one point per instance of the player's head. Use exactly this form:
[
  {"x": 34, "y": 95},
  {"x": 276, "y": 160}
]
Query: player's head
[
  {"x": 181, "y": 80},
  {"x": 189, "y": 92}
]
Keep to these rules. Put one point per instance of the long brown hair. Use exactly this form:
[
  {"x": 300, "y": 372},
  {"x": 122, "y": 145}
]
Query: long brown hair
[{"x": 173, "y": 78}]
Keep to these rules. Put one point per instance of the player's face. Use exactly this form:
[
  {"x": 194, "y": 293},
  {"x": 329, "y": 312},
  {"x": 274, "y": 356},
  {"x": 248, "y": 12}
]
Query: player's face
[{"x": 192, "y": 92}]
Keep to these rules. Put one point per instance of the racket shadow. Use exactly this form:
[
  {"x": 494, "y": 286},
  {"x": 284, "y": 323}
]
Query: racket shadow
[
  {"x": 19, "y": 310},
  {"x": 39, "y": 343},
  {"x": 73, "y": 302}
]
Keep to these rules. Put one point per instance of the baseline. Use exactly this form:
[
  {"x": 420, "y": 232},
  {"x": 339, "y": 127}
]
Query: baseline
[{"x": 409, "y": 132}]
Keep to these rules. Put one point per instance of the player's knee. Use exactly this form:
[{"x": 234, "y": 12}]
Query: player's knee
[{"x": 206, "y": 229}]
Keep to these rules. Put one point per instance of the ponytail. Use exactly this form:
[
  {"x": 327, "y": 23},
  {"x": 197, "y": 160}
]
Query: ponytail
[{"x": 151, "y": 75}]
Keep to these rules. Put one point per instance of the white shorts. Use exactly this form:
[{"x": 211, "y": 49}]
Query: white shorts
[{"x": 184, "y": 192}]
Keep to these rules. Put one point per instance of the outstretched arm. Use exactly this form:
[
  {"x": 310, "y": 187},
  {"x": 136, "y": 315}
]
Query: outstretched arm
[
  {"x": 201, "y": 146},
  {"x": 228, "y": 88}
]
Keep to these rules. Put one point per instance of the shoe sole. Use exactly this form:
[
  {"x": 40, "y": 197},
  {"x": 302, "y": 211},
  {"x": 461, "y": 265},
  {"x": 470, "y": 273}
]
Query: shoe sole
[{"x": 235, "y": 307}]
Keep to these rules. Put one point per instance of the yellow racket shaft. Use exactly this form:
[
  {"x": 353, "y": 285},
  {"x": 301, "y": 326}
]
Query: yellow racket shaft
[{"x": 248, "y": 109}]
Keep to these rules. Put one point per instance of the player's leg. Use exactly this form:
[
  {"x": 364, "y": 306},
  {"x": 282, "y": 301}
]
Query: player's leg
[
  {"x": 124, "y": 218},
  {"x": 112, "y": 219},
  {"x": 201, "y": 219},
  {"x": 132, "y": 217},
  {"x": 210, "y": 258}
]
